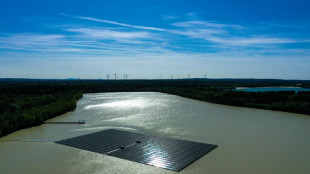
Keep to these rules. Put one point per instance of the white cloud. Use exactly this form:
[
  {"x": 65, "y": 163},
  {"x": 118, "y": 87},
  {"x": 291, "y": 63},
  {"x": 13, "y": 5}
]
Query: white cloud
[
  {"x": 111, "y": 34},
  {"x": 256, "y": 40},
  {"x": 120, "y": 24},
  {"x": 169, "y": 17},
  {"x": 84, "y": 41},
  {"x": 214, "y": 37},
  {"x": 27, "y": 39},
  {"x": 191, "y": 16},
  {"x": 199, "y": 29},
  {"x": 32, "y": 42},
  {"x": 225, "y": 34},
  {"x": 200, "y": 23}
]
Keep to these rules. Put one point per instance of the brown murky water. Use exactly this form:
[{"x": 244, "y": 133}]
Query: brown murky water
[{"x": 250, "y": 140}]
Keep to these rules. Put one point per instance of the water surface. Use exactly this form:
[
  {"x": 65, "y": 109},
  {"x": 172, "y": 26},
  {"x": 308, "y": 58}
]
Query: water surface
[
  {"x": 270, "y": 89},
  {"x": 250, "y": 140}
]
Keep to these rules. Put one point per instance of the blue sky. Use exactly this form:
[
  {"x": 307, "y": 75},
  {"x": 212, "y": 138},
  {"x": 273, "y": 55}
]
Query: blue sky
[{"x": 152, "y": 39}]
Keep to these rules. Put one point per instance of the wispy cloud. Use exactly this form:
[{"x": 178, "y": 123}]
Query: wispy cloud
[
  {"x": 114, "y": 23},
  {"x": 85, "y": 41},
  {"x": 254, "y": 40},
  {"x": 214, "y": 36},
  {"x": 28, "y": 40},
  {"x": 122, "y": 24},
  {"x": 227, "y": 34},
  {"x": 217, "y": 33},
  {"x": 107, "y": 34},
  {"x": 200, "y": 23},
  {"x": 190, "y": 36},
  {"x": 192, "y": 16},
  {"x": 169, "y": 17}
]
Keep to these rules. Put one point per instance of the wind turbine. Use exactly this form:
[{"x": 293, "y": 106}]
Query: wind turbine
[
  {"x": 188, "y": 75},
  {"x": 205, "y": 76},
  {"x": 115, "y": 76},
  {"x": 108, "y": 76},
  {"x": 171, "y": 76},
  {"x": 125, "y": 76}
]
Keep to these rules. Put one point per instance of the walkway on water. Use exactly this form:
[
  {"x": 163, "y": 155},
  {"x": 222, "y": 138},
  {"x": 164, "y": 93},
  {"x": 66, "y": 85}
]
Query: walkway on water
[{"x": 70, "y": 122}]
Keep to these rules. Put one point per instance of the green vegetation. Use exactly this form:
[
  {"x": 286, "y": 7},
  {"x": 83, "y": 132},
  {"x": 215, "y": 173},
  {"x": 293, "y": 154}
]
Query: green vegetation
[
  {"x": 280, "y": 101},
  {"x": 25, "y": 106},
  {"x": 26, "y": 103}
]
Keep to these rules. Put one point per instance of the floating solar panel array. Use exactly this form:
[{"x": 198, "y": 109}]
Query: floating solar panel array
[{"x": 172, "y": 154}]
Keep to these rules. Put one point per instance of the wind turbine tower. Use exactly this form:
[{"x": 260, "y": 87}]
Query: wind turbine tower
[
  {"x": 115, "y": 76},
  {"x": 125, "y": 76}
]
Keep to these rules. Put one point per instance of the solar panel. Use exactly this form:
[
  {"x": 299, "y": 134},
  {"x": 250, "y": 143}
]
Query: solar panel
[{"x": 168, "y": 153}]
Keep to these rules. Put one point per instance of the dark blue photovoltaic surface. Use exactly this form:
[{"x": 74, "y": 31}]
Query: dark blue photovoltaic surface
[{"x": 172, "y": 154}]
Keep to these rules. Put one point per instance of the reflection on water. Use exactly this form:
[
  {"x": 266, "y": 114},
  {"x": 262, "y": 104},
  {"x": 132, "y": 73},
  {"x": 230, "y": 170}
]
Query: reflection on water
[
  {"x": 126, "y": 104},
  {"x": 155, "y": 159},
  {"x": 250, "y": 140}
]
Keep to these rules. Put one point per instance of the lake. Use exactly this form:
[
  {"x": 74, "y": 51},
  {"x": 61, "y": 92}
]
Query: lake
[
  {"x": 249, "y": 140},
  {"x": 269, "y": 89}
]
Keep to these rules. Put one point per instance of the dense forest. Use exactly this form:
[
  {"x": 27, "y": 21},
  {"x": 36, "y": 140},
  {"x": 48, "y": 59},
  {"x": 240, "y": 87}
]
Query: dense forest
[
  {"x": 23, "y": 106},
  {"x": 25, "y": 103}
]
